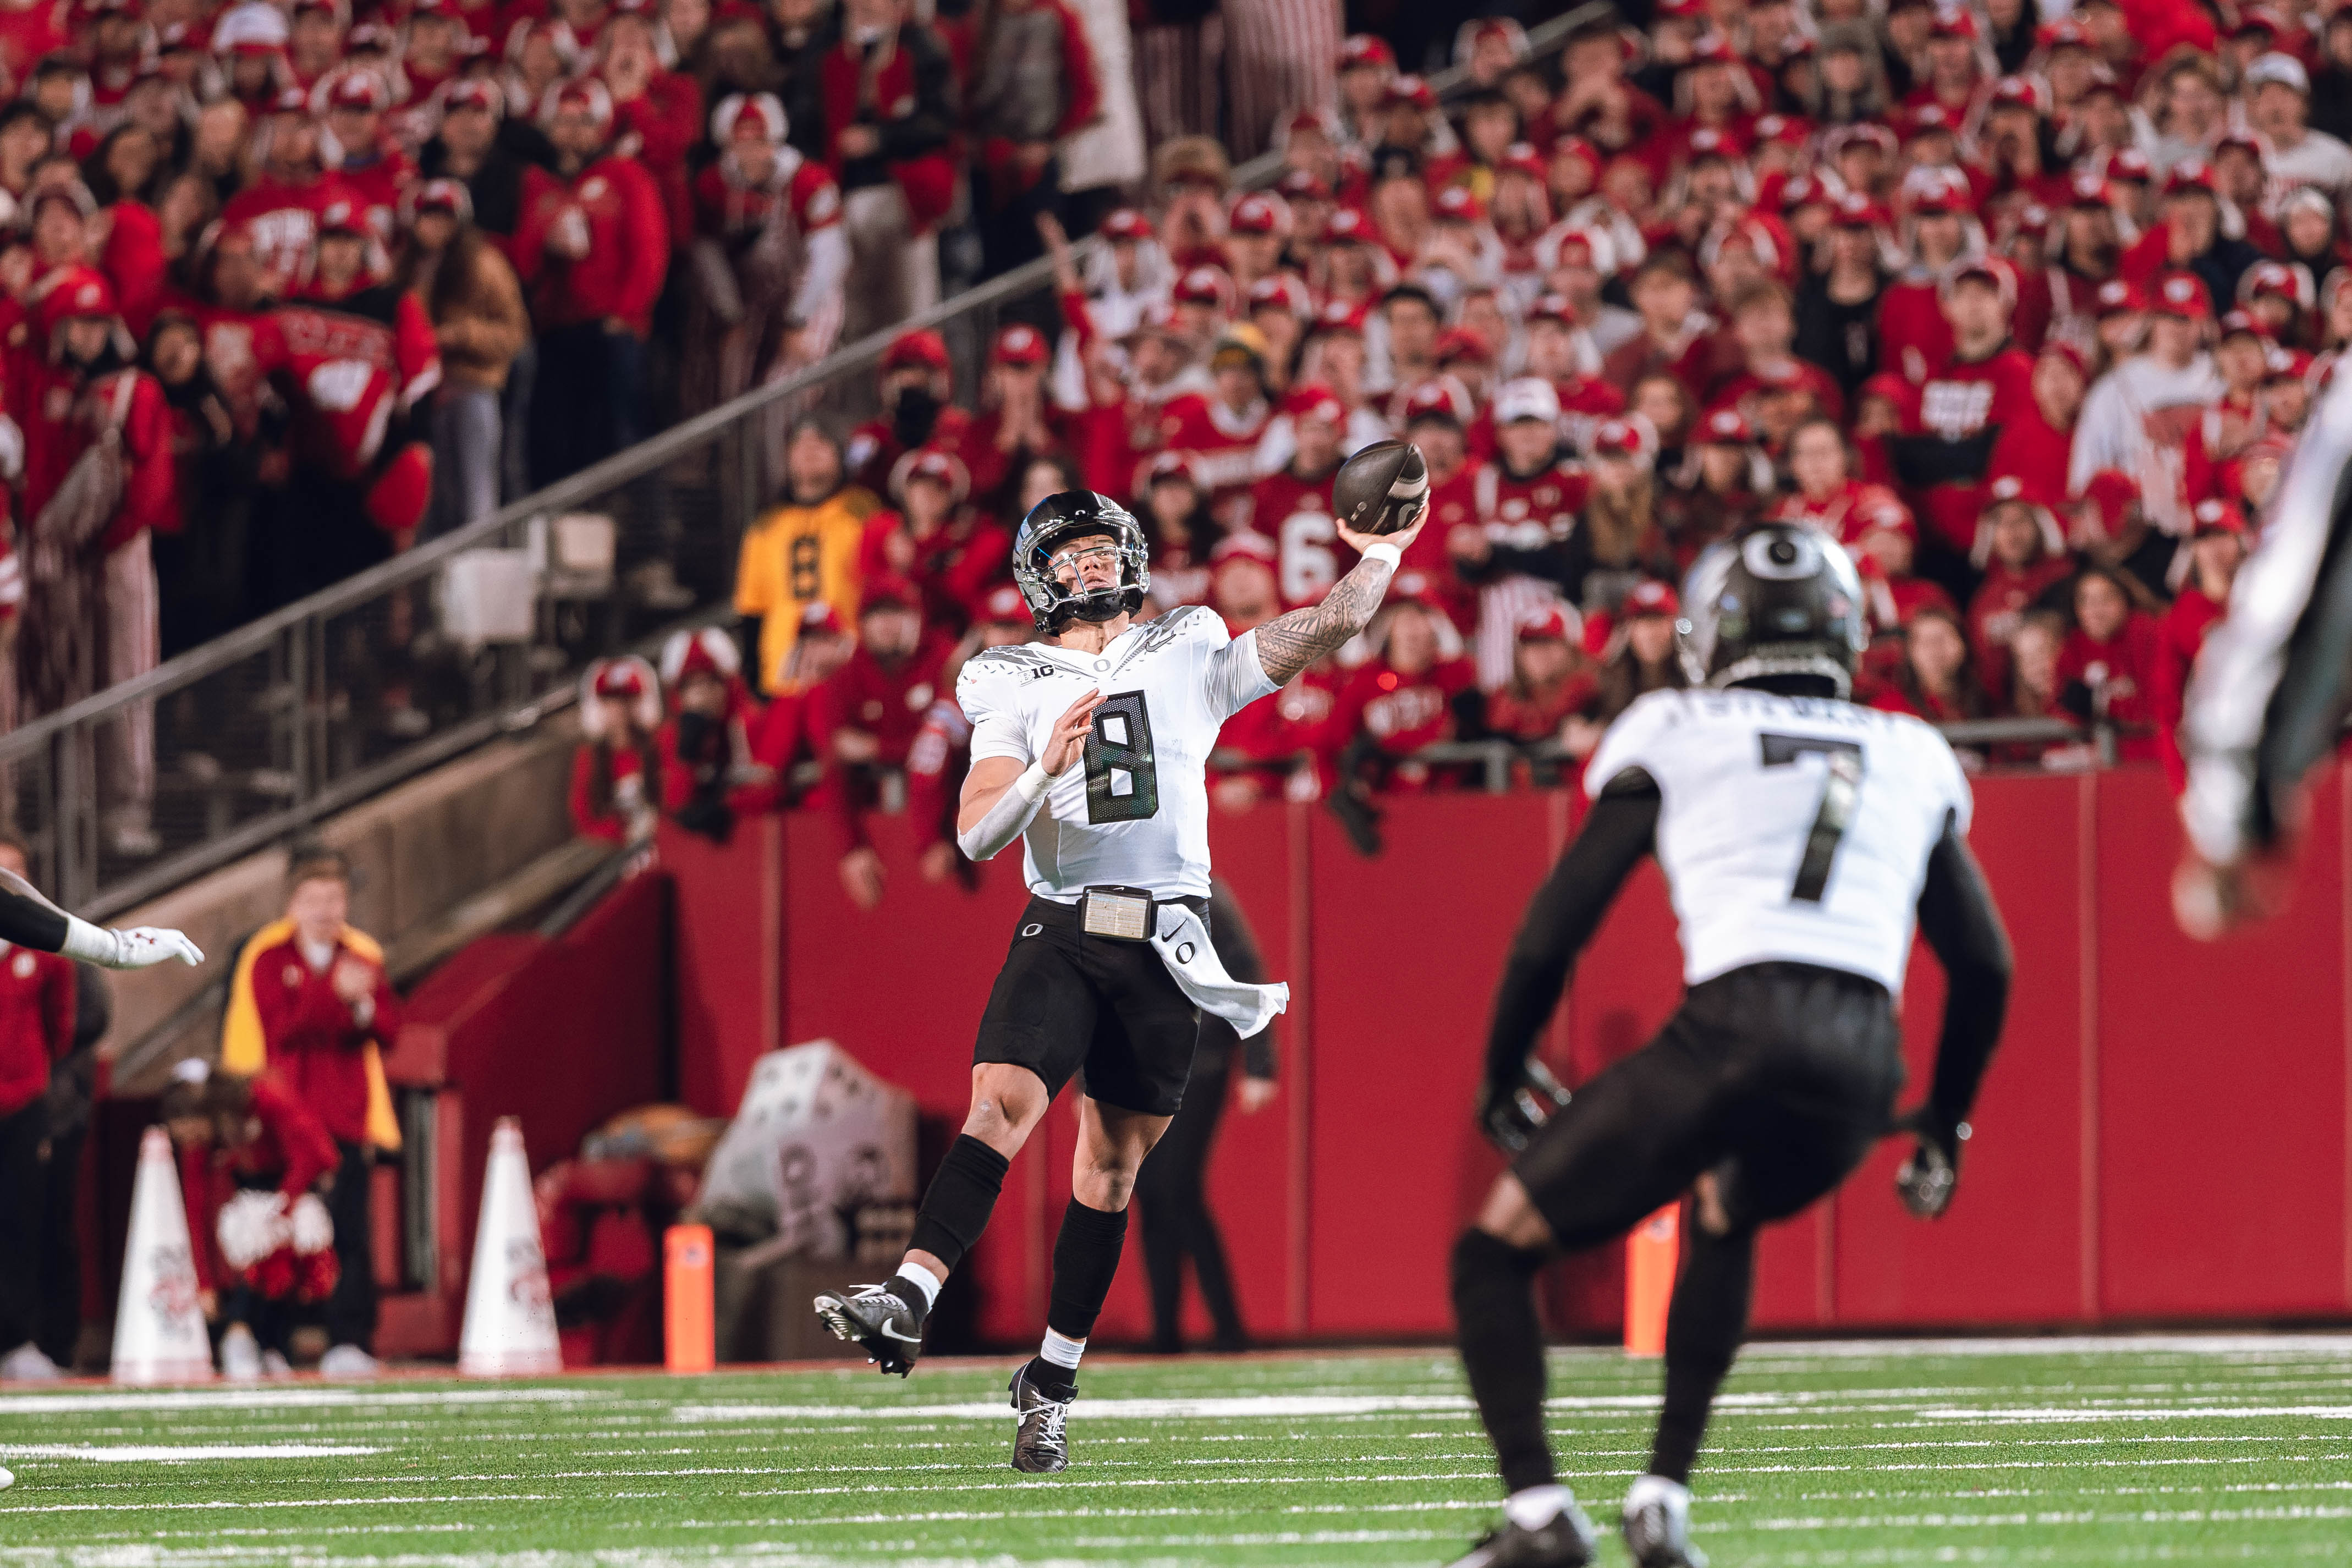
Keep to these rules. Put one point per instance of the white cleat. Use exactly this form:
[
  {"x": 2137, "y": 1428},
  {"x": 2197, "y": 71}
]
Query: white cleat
[
  {"x": 348, "y": 1361},
  {"x": 26, "y": 1364},
  {"x": 240, "y": 1354},
  {"x": 1657, "y": 1524}
]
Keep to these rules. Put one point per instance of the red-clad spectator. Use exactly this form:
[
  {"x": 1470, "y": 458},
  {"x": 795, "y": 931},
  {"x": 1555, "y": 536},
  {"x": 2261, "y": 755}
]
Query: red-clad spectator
[
  {"x": 2039, "y": 436},
  {"x": 783, "y": 737},
  {"x": 951, "y": 552},
  {"x": 2239, "y": 417},
  {"x": 915, "y": 382},
  {"x": 1885, "y": 550},
  {"x": 1937, "y": 677},
  {"x": 708, "y": 770},
  {"x": 322, "y": 1003},
  {"x": 30, "y": 30},
  {"x": 656, "y": 113},
  {"x": 1549, "y": 680},
  {"x": 1293, "y": 507},
  {"x": 1764, "y": 325},
  {"x": 1403, "y": 698},
  {"x": 2211, "y": 558},
  {"x": 768, "y": 257},
  {"x": 1220, "y": 429},
  {"x": 592, "y": 247},
  {"x": 866, "y": 717},
  {"x": 1675, "y": 330},
  {"x": 1018, "y": 422},
  {"x": 1033, "y": 85},
  {"x": 2137, "y": 416},
  {"x": 280, "y": 209},
  {"x": 1277, "y": 745},
  {"x": 236, "y": 1134},
  {"x": 888, "y": 102},
  {"x": 1524, "y": 553},
  {"x": 353, "y": 357},
  {"x": 1914, "y": 335},
  {"x": 92, "y": 616},
  {"x": 1722, "y": 482},
  {"x": 375, "y": 172},
  {"x": 1826, "y": 496},
  {"x": 1434, "y": 423},
  {"x": 1637, "y": 656},
  {"x": 941, "y": 752},
  {"x": 2111, "y": 665},
  {"x": 1965, "y": 402},
  {"x": 1174, "y": 513},
  {"x": 616, "y": 772},
  {"x": 2022, "y": 554},
  {"x": 467, "y": 146}
]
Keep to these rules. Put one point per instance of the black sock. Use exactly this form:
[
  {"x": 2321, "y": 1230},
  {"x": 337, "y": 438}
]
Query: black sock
[
  {"x": 1086, "y": 1259},
  {"x": 1704, "y": 1327},
  {"x": 955, "y": 1208},
  {"x": 1051, "y": 1381},
  {"x": 1502, "y": 1352}
]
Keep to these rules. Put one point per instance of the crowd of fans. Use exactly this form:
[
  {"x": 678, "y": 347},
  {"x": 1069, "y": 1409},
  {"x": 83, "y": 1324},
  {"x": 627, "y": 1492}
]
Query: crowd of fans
[
  {"x": 287, "y": 285},
  {"x": 2026, "y": 313}
]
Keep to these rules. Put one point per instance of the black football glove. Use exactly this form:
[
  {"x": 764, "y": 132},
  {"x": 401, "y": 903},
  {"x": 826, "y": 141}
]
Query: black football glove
[
  {"x": 1928, "y": 1179},
  {"x": 1513, "y": 1111}
]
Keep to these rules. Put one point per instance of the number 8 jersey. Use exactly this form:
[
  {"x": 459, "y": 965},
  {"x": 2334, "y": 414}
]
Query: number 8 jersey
[
  {"x": 1789, "y": 829},
  {"x": 1135, "y": 813}
]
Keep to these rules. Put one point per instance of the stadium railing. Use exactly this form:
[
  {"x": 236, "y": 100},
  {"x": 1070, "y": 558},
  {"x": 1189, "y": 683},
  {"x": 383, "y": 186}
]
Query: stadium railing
[{"x": 314, "y": 708}]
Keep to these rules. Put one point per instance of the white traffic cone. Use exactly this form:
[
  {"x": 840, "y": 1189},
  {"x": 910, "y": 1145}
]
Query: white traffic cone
[
  {"x": 159, "y": 1326},
  {"x": 509, "y": 1318}
]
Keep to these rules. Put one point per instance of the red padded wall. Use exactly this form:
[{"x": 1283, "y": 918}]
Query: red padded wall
[{"x": 2162, "y": 1137}]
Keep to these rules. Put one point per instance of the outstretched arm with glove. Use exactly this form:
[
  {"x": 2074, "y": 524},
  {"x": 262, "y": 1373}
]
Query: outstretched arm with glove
[{"x": 31, "y": 921}]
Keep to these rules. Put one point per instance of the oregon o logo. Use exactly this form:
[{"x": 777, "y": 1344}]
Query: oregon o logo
[{"x": 1031, "y": 930}]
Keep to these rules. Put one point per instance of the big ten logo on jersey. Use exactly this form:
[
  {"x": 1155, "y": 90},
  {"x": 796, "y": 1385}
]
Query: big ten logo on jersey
[
  {"x": 804, "y": 562},
  {"x": 1954, "y": 409},
  {"x": 1308, "y": 562}
]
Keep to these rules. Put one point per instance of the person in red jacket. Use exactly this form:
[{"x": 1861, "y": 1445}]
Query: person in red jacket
[
  {"x": 1913, "y": 336},
  {"x": 1292, "y": 507},
  {"x": 616, "y": 772},
  {"x": 37, "y": 1027},
  {"x": 1019, "y": 423},
  {"x": 593, "y": 249},
  {"x": 916, "y": 379},
  {"x": 2216, "y": 549},
  {"x": 709, "y": 772},
  {"x": 92, "y": 615},
  {"x": 866, "y": 716},
  {"x": 887, "y": 93},
  {"x": 1393, "y": 705},
  {"x": 2110, "y": 663},
  {"x": 320, "y": 1003},
  {"x": 1986, "y": 384},
  {"x": 656, "y": 113},
  {"x": 1550, "y": 679},
  {"x": 237, "y": 1135},
  {"x": 280, "y": 208},
  {"x": 374, "y": 171},
  {"x": 353, "y": 357}
]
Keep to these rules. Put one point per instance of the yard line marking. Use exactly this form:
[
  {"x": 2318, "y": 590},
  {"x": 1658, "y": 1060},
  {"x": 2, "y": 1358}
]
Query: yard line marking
[
  {"x": 155, "y": 1453},
  {"x": 296, "y": 1399},
  {"x": 2058, "y": 1413},
  {"x": 295, "y": 1502}
]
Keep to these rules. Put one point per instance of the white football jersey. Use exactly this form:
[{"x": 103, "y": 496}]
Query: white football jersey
[
  {"x": 1135, "y": 813},
  {"x": 1789, "y": 829}
]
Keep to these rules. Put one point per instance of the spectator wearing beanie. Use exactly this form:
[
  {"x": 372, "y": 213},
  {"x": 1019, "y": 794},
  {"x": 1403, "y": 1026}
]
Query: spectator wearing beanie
[
  {"x": 92, "y": 613},
  {"x": 806, "y": 550},
  {"x": 474, "y": 301},
  {"x": 866, "y": 717},
  {"x": 889, "y": 115},
  {"x": 709, "y": 772},
  {"x": 309, "y": 1002},
  {"x": 916, "y": 380},
  {"x": 36, "y": 1029},
  {"x": 769, "y": 258},
  {"x": 355, "y": 358},
  {"x": 616, "y": 772},
  {"x": 950, "y": 552},
  {"x": 593, "y": 249}
]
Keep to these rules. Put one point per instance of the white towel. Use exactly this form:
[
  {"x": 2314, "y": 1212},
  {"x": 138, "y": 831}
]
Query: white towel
[{"x": 1183, "y": 944}]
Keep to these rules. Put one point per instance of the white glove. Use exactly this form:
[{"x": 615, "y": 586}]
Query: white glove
[
  {"x": 141, "y": 947},
  {"x": 252, "y": 1225},
  {"x": 314, "y": 1229}
]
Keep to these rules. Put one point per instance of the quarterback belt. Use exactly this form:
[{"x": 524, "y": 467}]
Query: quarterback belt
[{"x": 1118, "y": 914}]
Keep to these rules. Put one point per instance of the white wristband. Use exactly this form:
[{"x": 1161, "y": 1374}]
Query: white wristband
[
  {"x": 1033, "y": 782},
  {"x": 91, "y": 944},
  {"x": 1385, "y": 551}
]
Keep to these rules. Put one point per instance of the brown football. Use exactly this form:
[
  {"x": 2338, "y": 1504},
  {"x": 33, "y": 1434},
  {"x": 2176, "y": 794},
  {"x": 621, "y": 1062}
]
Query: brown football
[{"x": 1381, "y": 489}]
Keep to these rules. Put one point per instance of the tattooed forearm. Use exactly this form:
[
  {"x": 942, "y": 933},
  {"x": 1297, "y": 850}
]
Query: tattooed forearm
[{"x": 1288, "y": 644}]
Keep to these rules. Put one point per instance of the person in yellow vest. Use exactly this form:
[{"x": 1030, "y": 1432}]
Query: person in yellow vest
[
  {"x": 309, "y": 1000},
  {"x": 802, "y": 551}
]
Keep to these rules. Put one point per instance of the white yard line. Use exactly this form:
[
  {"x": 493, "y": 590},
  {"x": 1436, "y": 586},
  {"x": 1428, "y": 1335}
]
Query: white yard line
[
  {"x": 163, "y": 1453},
  {"x": 294, "y": 1397}
]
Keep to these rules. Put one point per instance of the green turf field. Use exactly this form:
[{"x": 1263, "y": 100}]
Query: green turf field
[{"x": 2062, "y": 1452}]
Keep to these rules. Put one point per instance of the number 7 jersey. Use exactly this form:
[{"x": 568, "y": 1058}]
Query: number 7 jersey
[
  {"x": 1135, "y": 812},
  {"x": 1789, "y": 829}
]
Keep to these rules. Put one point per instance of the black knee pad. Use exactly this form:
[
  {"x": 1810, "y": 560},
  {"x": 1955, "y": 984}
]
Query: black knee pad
[{"x": 962, "y": 1196}]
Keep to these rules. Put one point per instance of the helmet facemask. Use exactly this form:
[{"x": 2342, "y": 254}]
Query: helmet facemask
[{"x": 1055, "y": 524}]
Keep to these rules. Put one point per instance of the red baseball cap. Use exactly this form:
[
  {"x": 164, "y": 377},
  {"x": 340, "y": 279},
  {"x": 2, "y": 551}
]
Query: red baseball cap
[
  {"x": 1359, "y": 49},
  {"x": 1019, "y": 344},
  {"x": 2182, "y": 294},
  {"x": 1253, "y": 214},
  {"x": 1437, "y": 398},
  {"x": 1617, "y": 438},
  {"x": 1126, "y": 224},
  {"x": 1004, "y": 607},
  {"x": 922, "y": 348},
  {"x": 2238, "y": 321},
  {"x": 2215, "y": 516},
  {"x": 1340, "y": 316},
  {"x": 1201, "y": 286},
  {"x": 1653, "y": 598},
  {"x": 1315, "y": 400},
  {"x": 2119, "y": 296},
  {"x": 934, "y": 466},
  {"x": 1549, "y": 625},
  {"x": 2194, "y": 177},
  {"x": 1348, "y": 226},
  {"x": 1725, "y": 427},
  {"x": 1459, "y": 204}
]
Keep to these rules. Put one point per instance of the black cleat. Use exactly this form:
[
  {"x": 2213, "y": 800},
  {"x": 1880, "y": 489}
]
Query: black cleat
[
  {"x": 1657, "y": 1524},
  {"x": 877, "y": 1322},
  {"x": 1041, "y": 1446},
  {"x": 1564, "y": 1542}
]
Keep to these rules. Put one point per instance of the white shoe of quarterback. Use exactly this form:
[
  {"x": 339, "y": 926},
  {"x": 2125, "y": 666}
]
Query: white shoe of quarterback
[{"x": 26, "y": 1364}]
